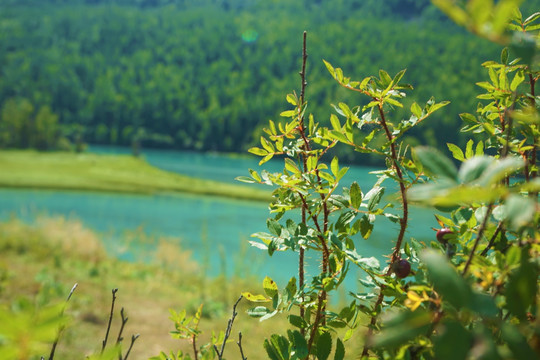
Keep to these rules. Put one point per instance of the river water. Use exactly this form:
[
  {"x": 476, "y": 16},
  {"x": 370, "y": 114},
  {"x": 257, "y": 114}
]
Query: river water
[{"x": 216, "y": 230}]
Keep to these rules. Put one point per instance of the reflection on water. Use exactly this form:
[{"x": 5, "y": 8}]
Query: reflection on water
[{"x": 215, "y": 229}]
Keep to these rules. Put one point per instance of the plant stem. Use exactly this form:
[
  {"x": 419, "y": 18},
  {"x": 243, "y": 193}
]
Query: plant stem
[
  {"x": 133, "y": 339},
  {"x": 534, "y": 173},
  {"x": 227, "y": 331},
  {"x": 301, "y": 251},
  {"x": 478, "y": 238},
  {"x": 402, "y": 221},
  {"x": 120, "y": 338},
  {"x": 492, "y": 240},
  {"x": 239, "y": 342},
  {"x": 62, "y": 327},
  {"x": 114, "y": 291}
]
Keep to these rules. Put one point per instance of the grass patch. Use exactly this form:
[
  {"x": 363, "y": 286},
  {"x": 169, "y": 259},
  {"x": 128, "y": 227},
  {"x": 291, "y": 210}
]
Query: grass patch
[
  {"x": 109, "y": 173},
  {"x": 40, "y": 262}
]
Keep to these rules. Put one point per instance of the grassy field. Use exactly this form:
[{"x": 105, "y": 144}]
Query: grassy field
[
  {"x": 112, "y": 173},
  {"x": 41, "y": 262}
]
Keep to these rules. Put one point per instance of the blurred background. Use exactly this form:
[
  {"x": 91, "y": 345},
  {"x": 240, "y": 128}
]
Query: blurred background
[{"x": 187, "y": 87}]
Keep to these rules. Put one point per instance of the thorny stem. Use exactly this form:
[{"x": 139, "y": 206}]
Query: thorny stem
[
  {"x": 316, "y": 323},
  {"x": 62, "y": 327},
  {"x": 478, "y": 238},
  {"x": 228, "y": 331},
  {"x": 114, "y": 291},
  {"x": 402, "y": 221},
  {"x": 326, "y": 253},
  {"x": 194, "y": 344},
  {"x": 301, "y": 251}
]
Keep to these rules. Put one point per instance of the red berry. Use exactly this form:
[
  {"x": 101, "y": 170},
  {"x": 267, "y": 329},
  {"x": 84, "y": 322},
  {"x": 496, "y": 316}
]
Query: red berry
[
  {"x": 402, "y": 268},
  {"x": 443, "y": 235}
]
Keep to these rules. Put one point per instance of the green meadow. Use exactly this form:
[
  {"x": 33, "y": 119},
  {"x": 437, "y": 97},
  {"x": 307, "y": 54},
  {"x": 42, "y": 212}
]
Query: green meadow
[{"x": 110, "y": 173}]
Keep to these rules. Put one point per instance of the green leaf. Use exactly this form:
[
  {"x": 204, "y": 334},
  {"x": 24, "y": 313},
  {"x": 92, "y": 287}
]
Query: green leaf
[
  {"x": 517, "y": 342},
  {"x": 334, "y": 166},
  {"x": 245, "y": 179},
  {"x": 335, "y": 122},
  {"x": 437, "y": 106},
  {"x": 344, "y": 219},
  {"x": 277, "y": 348},
  {"x": 456, "y": 152},
  {"x": 469, "y": 149},
  {"x": 520, "y": 211},
  {"x": 258, "y": 311},
  {"x": 297, "y": 321},
  {"x": 356, "y": 195},
  {"x": 274, "y": 226},
  {"x": 449, "y": 335},
  {"x": 474, "y": 168},
  {"x": 498, "y": 169},
  {"x": 531, "y": 18},
  {"x": 518, "y": 79},
  {"x": 340, "y": 350},
  {"x": 258, "y": 151},
  {"x": 522, "y": 286},
  {"x": 291, "y": 99},
  {"x": 392, "y": 101},
  {"x": 300, "y": 345},
  {"x": 385, "y": 78},
  {"x": 504, "y": 55},
  {"x": 289, "y": 113},
  {"x": 366, "y": 227},
  {"x": 330, "y": 68},
  {"x": 416, "y": 110},
  {"x": 435, "y": 163},
  {"x": 446, "y": 281},
  {"x": 324, "y": 346},
  {"x": 398, "y": 77},
  {"x": 400, "y": 327},
  {"x": 374, "y": 196}
]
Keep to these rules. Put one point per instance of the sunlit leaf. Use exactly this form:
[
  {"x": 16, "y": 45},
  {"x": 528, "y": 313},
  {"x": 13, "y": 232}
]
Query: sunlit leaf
[
  {"x": 446, "y": 281},
  {"x": 435, "y": 163}
]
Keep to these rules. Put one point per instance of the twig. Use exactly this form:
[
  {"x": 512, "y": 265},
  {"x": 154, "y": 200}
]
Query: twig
[
  {"x": 239, "y": 342},
  {"x": 228, "y": 331},
  {"x": 133, "y": 338},
  {"x": 62, "y": 327},
  {"x": 114, "y": 291},
  {"x": 124, "y": 321},
  {"x": 120, "y": 338},
  {"x": 478, "y": 238},
  {"x": 492, "y": 240}
]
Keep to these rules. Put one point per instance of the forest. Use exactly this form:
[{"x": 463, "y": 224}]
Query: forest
[{"x": 205, "y": 75}]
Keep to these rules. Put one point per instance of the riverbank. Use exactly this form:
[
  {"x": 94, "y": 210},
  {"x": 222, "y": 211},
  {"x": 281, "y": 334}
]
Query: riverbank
[
  {"x": 107, "y": 173},
  {"x": 40, "y": 263}
]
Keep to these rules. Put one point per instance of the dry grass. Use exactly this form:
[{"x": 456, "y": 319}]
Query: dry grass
[{"x": 43, "y": 260}]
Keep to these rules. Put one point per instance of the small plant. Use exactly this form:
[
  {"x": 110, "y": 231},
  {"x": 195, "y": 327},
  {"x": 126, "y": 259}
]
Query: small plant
[{"x": 480, "y": 300}]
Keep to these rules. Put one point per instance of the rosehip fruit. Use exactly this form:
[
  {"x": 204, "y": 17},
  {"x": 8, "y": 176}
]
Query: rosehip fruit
[
  {"x": 402, "y": 268},
  {"x": 443, "y": 235}
]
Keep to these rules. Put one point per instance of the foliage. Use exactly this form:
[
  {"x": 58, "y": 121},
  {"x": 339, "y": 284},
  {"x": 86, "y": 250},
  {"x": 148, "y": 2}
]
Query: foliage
[
  {"x": 204, "y": 74},
  {"x": 474, "y": 292}
]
